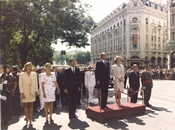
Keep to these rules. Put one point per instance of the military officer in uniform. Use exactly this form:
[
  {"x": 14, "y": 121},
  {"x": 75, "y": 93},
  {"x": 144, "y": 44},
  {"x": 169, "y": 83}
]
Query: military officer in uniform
[
  {"x": 90, "y": 83},
  {"x": 147, "y": 84}
]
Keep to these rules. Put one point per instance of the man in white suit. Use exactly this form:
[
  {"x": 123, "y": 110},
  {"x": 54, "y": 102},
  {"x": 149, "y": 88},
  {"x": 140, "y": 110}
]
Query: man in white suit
[{"x": 90, "y": 83}]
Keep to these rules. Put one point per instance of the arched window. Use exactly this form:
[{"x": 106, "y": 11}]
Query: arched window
[{"x": 135, "y": 20}]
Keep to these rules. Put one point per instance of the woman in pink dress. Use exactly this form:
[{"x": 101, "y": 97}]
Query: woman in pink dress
[{"x": 118, "y": 72}]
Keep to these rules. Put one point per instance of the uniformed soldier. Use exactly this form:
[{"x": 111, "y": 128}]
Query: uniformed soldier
[
  {"x": 90, "y": 83},
  {"x": 147, "y": 84}
]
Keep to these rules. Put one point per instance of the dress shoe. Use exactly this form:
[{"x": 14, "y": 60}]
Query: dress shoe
[
  {"x": 106, "y": 107},
  {"x": 149, "y": 105},
  {"x": 75, "y": 116},
  {"x": 71, "y": 118}
]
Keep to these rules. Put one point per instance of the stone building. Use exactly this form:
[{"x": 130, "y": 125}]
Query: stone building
[
  {"x": 136, "y": 31},
  {"x": 171, "y": 43}
]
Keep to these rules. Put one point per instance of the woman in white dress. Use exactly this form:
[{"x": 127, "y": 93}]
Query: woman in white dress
[
  {"x": 118, "y": 72},
  {"x": 49, "y": 86}
]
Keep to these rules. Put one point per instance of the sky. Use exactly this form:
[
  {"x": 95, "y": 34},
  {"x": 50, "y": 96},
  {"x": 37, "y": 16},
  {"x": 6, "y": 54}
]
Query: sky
[{"x": 100, "y": 9}]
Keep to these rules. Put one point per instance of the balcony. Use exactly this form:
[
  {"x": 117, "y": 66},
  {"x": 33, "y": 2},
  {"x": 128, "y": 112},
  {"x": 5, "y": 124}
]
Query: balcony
[
  {"x": 153, "y": 50},
  {"x": 171, "y": 43},
  {"x": 172, "y": 27}
]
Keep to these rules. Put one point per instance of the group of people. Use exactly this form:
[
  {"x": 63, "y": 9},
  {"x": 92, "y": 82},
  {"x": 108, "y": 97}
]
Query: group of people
[{"x": 29, "y": 87}]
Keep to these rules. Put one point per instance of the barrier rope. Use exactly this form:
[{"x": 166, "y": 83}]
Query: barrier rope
[
  {"x": 134, "y": 92},
  {"x": 93, "y": 94}
]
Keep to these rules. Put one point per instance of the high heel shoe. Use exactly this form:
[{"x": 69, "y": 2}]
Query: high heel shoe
[
  {"x": 30, "y": 122},
  {"x": 47, "y": 122}
]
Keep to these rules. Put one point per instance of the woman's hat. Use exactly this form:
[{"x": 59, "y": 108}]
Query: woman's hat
[{"x": 28, "y": 63}]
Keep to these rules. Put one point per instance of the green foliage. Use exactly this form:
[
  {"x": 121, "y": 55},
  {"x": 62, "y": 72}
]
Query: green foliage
[
  {"x": 31, "y": 26},
  {"x": 81, "y": 57}
]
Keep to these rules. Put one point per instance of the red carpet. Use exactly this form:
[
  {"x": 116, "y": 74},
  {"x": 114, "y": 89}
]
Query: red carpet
[{"x": 114, "y": 111}]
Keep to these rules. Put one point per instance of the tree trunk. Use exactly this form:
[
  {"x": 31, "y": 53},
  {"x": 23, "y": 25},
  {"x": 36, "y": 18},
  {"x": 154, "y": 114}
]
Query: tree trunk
[{"x": 24, "y": 58}]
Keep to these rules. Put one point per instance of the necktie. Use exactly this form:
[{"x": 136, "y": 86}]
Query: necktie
[
  {"x": 105, "y": 63},
  {"x": 73, "y": 70}
]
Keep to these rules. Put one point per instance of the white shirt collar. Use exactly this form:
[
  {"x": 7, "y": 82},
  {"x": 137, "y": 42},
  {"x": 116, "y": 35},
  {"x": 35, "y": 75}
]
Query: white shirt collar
[
  {"x": 103, "y": 60},
  {"x": 1, "y": 74}
]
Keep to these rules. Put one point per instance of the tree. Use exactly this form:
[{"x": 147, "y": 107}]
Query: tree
[
  {"x": 29, "y": 25},
  {"x": 60, "y": 59},
  {"x": 81, "y": 57}
]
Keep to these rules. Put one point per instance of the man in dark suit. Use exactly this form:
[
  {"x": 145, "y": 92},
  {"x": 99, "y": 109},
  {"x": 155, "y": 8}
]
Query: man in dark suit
[
  {"x": 134, "y": 82},
  {"x": 72, "y": 87},
  {"x": 103, "y": 77}
]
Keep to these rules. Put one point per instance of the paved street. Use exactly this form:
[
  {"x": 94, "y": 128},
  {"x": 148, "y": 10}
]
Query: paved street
[{"x": 161, "y": 116}]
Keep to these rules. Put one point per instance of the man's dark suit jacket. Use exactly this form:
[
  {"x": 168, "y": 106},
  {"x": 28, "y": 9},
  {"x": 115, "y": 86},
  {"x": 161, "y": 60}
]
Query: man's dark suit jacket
[
  {"x": 102, "y": 73},
  {"x": 134, "y": 80},
  {"x": 72, "y": 80}
]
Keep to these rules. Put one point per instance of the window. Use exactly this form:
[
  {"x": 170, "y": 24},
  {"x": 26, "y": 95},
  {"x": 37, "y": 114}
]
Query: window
[
  {"x": 155, "y": 30},
  {"x": 146, "y": 21},
  {"x": 155, "y": 6},
  {"x": 173, "y": 36},
  {"x": 146, "y": 37},
  {"x": 135, "y": 20},
  {"x": 159, "y": 39},
  {"x": 159, "y": 31},
  {"x": 154, "y": 38},
  {"x": 146, "y": 46},
  {"x": 154, "y": 46},
  {"x": 159, "y": 47}
]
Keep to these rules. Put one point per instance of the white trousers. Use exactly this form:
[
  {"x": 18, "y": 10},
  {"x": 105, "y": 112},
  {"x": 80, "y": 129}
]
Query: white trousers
[{"x": 90, "y": 91}]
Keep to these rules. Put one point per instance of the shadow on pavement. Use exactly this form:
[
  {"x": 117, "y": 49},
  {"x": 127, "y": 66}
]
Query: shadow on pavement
[
  {"x": 121, "y": 123},
  {"x": 134, "y": 119},
  {"x": 78, "y": 124},
  {"x": 30, "y": 127},
  {"x": 150, "y": 113},
  {"x": 116, "y": 124},
  {"x": 160, "y": 109},
  {"x": 51, "y": 126}
]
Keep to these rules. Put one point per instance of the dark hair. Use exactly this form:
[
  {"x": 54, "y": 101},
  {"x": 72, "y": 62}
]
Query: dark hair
[
  {"x": 71, "y": 59},
  {"x": 14, "y": 68},
  {"x": 7, "y": 66}
]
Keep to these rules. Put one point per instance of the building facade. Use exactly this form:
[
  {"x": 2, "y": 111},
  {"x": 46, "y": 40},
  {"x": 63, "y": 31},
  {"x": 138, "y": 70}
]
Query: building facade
[
  {"x": 136, "y": 31},
  {"x": 171, "y": 43}
]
